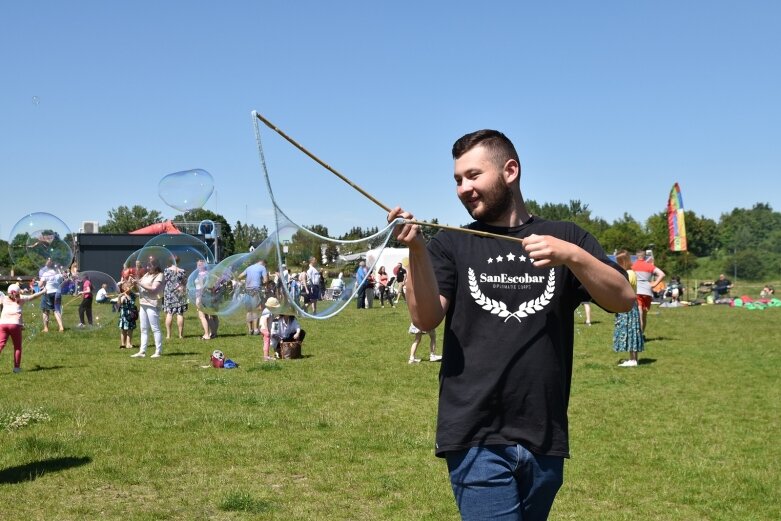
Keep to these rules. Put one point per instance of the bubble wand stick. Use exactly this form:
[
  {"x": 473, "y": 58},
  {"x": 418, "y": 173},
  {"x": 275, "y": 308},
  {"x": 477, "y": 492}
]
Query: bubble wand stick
[{"x": 366, "y": 194}]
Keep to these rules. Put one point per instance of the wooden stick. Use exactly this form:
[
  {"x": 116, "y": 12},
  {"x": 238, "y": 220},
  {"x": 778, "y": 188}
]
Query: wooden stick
[
  {"x": 366, "y": 194},
  {"x": 321, "y": 162},
  {"x": 465, "y": 230}
]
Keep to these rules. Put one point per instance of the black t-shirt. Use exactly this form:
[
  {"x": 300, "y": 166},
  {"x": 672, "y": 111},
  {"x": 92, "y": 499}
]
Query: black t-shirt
[
  {"x": 401, "y": 274},
  {"x": 722, "y": 285},
  {"x": 507, "y": 365}
]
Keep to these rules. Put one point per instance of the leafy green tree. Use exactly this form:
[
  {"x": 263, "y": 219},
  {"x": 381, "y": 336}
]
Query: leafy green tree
[
  {"x": 624, "y": 233},
  {"x": 227, "y": 242},
  {"x": 246, "y": 235},
  {"x": 575, "y": 211},
  {"x": 305, "y": 245},
  {"x": 741, "y": 229},
  {"x": 430, "y": 231},
  {"x": 701, "y": 238},
  {"x": 331, "y": 253},
  {"x": 126, "y": 220},
  {"x": 747, "y": 264},
  {"x": 5, "y": 258}
]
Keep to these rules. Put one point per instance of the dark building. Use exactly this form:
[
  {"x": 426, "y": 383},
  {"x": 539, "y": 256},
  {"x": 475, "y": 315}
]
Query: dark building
[{"x": 107, "y": 252}]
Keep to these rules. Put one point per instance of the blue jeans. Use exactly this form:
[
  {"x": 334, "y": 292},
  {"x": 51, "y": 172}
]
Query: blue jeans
[{"x": 505, "y": 482}]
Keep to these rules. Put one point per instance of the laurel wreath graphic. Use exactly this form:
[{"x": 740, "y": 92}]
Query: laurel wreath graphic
[{"x": 499, "y": 308}]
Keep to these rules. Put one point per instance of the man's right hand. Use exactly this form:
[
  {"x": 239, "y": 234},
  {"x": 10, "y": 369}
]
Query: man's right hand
[{"x": 407, "y": 234}]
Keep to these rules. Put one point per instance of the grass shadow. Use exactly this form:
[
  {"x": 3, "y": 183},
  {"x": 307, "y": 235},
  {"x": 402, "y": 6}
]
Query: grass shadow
[
  {"x": 183, "y": 353},
  {"x": 45, "y": 368},
  {"x": 32, "y": 471},
  {"x": 658, "y": 338},
  {"x": 646, "y": 361}
]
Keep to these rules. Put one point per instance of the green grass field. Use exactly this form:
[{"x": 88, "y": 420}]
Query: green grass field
[{"x": 347, "y": 432}]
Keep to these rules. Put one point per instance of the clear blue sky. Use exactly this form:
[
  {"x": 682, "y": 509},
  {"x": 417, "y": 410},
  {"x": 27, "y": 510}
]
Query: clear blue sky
[{"x": 607, "y": 102}]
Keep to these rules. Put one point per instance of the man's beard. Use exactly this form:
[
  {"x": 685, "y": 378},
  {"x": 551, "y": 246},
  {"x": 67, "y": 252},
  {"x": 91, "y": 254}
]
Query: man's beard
[{"x": 495, "y": 203}]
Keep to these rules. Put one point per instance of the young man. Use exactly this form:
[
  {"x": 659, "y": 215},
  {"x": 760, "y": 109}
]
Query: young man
[
  {"x": 508, "y": 311},
  {"x": 257, "y": 277},
  {"x": 50, "y": 279},
  {"x": 313, "y": 285}
]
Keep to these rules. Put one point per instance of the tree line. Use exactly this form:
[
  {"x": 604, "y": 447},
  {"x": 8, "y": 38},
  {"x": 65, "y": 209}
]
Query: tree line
[{"x": 745, "y": 242}]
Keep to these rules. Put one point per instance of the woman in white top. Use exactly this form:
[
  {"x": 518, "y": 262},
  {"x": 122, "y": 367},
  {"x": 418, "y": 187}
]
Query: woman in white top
[
  {"x": 11, "y": 323},
  {"x": 150, "y": 285}
]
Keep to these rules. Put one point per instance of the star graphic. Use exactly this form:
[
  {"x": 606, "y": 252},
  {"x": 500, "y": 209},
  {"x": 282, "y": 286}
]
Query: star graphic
[
  {"x": 510, "y": 257},
  {"x": 522, "y": 258},
  {"x": 490, "y": 260},
  {"x": 499, "y": 258}
]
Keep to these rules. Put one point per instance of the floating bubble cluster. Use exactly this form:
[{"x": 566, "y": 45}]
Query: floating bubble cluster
[
  {"x": 212, "y": 290},
  {"x": 186, "y": 248},
  {"x": 32, "y": 321},
  {"x": 186, "y": 190},
  {"x": 295, "y": 261},
  {"x": 300, "y": 251},
  {"x": 148, "y": 258},
  {"x": 37, "y": 237}
]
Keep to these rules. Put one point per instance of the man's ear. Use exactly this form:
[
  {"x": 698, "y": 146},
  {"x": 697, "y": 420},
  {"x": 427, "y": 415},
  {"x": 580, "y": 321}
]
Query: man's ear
[{"x": 512, "y": 171}]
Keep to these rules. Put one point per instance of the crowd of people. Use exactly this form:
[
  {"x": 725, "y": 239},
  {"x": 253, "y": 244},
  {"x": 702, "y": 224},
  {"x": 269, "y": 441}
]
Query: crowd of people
[{"x": 380, "y": 284}]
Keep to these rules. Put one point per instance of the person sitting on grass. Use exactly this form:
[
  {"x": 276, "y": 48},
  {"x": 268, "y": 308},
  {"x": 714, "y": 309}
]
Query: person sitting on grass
[
  {"x": 721, "y": 287},
  {"x": 101, "y": 297},
  {"x": 288, "y": 330},
  {"x": 674, "y": 290}
]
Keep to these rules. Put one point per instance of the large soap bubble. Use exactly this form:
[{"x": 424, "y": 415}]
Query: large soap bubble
[
  {"x": 37, "y": 237},
  {"x": 97, "y": 279},
  {"x": 309, "y": 274},
  {"x": 186, "y": 248},
  {"x": 186, "y": 190},
  {"x": 336, "y": 262},
  {"x": 101, "y": 311},
  {"x": 222, "y": 288},
  {"x": 145, "y": 259},
  {"x": 212, "y": 289}
]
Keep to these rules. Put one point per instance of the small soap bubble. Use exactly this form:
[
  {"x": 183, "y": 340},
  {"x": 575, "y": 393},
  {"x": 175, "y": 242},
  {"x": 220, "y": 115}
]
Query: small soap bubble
[{"x": 36, "y": 100}]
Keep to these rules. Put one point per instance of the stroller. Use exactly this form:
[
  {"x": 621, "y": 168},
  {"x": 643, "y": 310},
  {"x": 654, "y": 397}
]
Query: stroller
[{"x": 390, "y": 290}]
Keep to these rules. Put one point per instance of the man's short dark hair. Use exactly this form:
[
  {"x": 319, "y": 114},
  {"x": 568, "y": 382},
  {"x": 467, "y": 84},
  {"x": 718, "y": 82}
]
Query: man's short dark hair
[{"x": 498, "y": 145}]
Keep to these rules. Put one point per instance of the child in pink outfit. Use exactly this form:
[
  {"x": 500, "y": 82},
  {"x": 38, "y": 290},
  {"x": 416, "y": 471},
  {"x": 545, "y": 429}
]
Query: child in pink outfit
[
  {"x": 11, "y": 323},
  {"x": 265, "y": 325}
]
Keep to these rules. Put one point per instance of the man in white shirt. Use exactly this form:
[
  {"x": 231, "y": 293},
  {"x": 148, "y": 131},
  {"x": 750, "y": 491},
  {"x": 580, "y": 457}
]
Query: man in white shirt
[
  {"x": 313, "y": 285},
  {"x": 101, "y": 297},
  {"x": 50, "y": 280}
]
